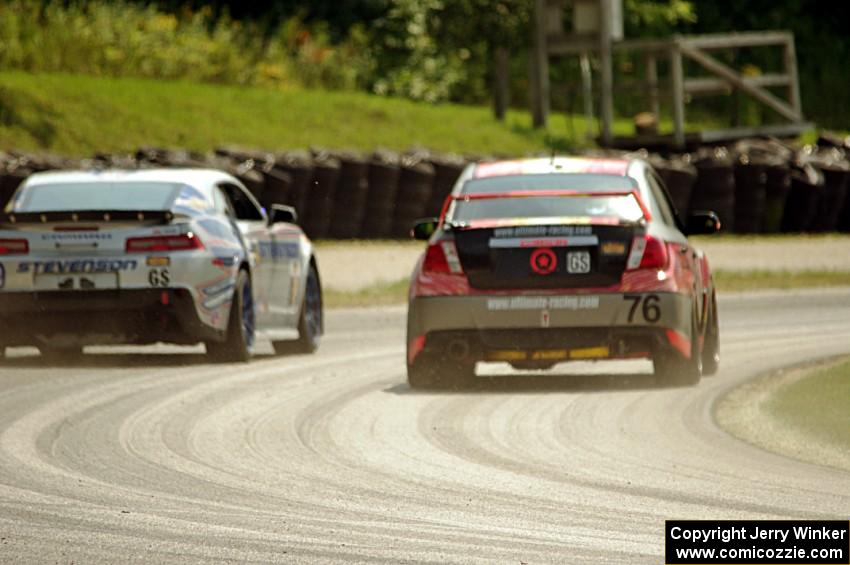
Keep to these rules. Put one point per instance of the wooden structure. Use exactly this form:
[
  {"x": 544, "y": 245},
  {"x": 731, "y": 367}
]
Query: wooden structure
[{"x": 551, "y": 41}]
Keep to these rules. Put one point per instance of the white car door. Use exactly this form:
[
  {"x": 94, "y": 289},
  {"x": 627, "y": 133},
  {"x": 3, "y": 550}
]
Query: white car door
[{"x": 253, "y": 225}]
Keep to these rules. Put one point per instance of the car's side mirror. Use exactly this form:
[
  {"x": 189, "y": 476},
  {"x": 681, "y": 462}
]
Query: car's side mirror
[
  {"x": 702, "y": 223},
  {"x": 283, "y": 213},
  {"x": 423, "y": 229}
]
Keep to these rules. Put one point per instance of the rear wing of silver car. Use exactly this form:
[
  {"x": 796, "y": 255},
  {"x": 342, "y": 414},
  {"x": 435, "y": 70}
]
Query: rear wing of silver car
[{"x": 149, "y": 217}]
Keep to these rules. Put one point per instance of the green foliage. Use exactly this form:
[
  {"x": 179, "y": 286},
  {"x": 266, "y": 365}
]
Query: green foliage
[
  {"x": 306, "y": 54},
  {"x": 409, "y": 60},
  {"x": 437, "y": 50},
  {"x": 473, "y": 29},
  {"x": 120, "y": 39},
  {"x": 125, "y": 39},
  {"x": 654, "y": 18},
  {"x": 822, "y": 45},
  {"x": 427, "y": 50}
]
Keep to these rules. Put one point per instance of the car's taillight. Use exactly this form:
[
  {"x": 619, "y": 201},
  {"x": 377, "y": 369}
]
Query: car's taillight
[
  {"x": 648, "y": 253},
  {"x": 14, "y": 247},
  {"x": 441, "y": 257},
  {"x": 164, "y": 243}
]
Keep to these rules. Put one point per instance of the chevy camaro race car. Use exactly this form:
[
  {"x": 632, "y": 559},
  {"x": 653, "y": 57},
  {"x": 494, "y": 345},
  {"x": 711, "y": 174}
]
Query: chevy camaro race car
[
  {"x": 144, "y": 256},
  {"x": 539, "y": 261}
]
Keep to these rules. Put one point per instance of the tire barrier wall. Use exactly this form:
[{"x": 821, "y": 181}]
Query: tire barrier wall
[
  {"x": 755, "y": 186},
  {"x": 384, "y": 176},
  {"x": 715, "y": 185},
  {"x": 321, "y": 190},
  {"x": 349, "y": 207},
  {"x": 415, "y": 185}
]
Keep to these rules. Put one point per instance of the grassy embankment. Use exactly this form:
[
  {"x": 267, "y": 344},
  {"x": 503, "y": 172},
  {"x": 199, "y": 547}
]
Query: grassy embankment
[
  {"x": 817, "y": 405},
  {"x": 80, "y": 115}
]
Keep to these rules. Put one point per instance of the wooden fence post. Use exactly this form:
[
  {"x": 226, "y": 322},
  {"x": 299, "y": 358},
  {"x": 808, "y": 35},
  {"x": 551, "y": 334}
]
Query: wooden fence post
[
  {"x": 539, "y": 67},
  {"x": 501, "y": 93}
]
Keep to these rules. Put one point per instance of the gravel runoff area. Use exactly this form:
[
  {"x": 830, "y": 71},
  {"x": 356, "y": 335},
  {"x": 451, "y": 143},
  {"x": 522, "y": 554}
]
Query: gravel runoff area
[
  {"x": 351, "y": 266},
  {"x": 743, "y": 413}
]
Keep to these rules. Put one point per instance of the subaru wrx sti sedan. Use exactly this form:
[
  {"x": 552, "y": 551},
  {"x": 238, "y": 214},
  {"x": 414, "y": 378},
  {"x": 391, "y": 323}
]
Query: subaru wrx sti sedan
[
  {"x": 541, "y": 261},
  {"x": 143, "y": 256}
]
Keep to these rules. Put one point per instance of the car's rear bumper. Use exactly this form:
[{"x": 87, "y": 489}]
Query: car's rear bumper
[
  {"x": 537, "y": 327},
  {"x": 103, "y": 316}
]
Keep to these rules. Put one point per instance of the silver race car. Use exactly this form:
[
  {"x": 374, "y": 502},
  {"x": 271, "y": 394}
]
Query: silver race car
[{"x": 162, "y": 255}]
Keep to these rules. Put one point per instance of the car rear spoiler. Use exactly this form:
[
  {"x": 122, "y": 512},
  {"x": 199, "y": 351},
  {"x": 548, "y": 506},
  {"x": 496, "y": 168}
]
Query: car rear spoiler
[
  {"x": 142, "y": 216},
  {"x": 647, "y": 216}
]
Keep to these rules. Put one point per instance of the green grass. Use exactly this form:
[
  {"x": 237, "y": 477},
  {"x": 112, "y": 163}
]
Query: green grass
[
  {"x": 383, "y": 294},
  {"x": 818, "y": 405},
  {"x": 735, "y": 281},
  {"x": 81, "y": 115}
]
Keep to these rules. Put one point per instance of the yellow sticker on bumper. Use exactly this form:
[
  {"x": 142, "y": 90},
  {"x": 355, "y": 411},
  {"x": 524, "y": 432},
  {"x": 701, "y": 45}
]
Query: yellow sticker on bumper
[
  {"x": 590, "y": 353},
  {"x": 601, "y": 352},
  {"x": 507, "y": 355},
  {"x": 549, "y": 355}
]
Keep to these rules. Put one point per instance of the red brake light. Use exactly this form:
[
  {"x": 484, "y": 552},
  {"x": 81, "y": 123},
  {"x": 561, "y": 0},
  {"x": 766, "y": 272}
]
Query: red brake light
[
  {"x": 435, "y": 260},
  {"x": 441, "y": 257},
  {"x": 14, "y": 247},
  {"x": 648, "y": 253},
  {"x": 164, "y": 243},
  {"x": 654, "y": 255}
]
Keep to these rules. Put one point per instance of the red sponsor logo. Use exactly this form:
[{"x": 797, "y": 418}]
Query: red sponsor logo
[
  {"x": 539, "y": 242},
  {"x": 543, "y": 261}
]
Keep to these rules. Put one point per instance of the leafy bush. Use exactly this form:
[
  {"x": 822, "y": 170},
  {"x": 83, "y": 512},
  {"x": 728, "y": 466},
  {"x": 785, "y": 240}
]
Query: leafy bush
[{"x": 125, "y": 39}]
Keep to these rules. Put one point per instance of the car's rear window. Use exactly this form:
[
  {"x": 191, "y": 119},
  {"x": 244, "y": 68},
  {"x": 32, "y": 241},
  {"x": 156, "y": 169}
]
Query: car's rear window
[
  {"x": 571, "y": 181},
  {"x": 623, "y": 208},
  {"x": 60, "y": 197}
]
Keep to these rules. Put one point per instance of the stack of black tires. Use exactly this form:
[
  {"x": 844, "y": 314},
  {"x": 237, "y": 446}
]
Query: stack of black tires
[
  {"x": 755, "y": 186},
  {"x": 763, "y": 186}
]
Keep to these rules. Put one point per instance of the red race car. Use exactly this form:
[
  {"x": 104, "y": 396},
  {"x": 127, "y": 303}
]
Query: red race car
[{"x": 540, "y": 261}]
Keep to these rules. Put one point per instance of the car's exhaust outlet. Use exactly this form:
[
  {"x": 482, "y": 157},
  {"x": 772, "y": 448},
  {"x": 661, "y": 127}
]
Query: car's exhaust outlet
[{"x": 458, "y": 349}]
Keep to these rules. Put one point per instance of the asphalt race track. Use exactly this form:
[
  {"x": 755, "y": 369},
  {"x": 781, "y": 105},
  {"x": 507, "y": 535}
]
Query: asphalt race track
[{"x": 155, "y": 456}]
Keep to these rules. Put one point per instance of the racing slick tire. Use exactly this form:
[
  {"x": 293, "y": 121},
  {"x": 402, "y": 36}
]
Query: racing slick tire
[
  {"x": 440, "y": 374},
  {"x": 673, "y": 369},
  {"x": 310, "y": 321},
  {"x": 60, "y": 354},
  {"x": 239, "y": 339},
  {"x": 711, "y": 348}
]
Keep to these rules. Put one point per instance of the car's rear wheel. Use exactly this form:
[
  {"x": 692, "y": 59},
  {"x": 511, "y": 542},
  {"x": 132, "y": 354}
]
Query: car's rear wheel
[
  {"x": 711, "y": 348},
  {"x": 310, "y": 321},
  {"x": 674, "y": 369},
  {"x": 239, "y": 339},
  {"x": 432, "y": 372}
]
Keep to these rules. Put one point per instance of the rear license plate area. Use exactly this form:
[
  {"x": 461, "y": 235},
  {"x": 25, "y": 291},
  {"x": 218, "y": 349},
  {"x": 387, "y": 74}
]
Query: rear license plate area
[
  {"x": 578, "y": 262},
  {"x": 85, "y": 281}
]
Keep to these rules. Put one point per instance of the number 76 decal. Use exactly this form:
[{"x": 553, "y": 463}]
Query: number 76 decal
[{"x": 650, "y": 311}]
